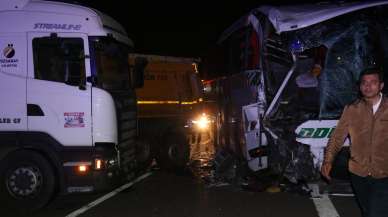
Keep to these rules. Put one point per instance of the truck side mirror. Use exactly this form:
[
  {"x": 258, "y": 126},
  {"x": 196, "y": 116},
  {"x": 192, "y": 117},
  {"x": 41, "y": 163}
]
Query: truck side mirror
[{"x": 137, "y": 74}]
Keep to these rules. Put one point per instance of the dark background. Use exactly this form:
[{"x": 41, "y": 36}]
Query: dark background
[
  {"x": 180, "y": 28},
  {"x": 177, "y": 28}
]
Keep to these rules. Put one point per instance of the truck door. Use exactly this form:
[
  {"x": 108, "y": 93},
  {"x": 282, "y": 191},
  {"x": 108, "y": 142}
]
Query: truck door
[{"x": 57, "y": 92}]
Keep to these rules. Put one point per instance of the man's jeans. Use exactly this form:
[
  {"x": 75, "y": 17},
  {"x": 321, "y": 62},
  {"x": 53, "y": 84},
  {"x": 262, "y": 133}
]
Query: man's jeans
[{"x": 372, "y": 195}]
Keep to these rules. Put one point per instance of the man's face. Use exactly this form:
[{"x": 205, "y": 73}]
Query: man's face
[{"x": 371, "y": 86}]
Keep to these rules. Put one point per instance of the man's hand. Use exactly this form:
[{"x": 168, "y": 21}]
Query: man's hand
[{"x": 325, "y": 170}]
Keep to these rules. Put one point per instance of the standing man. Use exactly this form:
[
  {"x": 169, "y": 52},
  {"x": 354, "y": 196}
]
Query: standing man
[{"x": 366, "y": 122}]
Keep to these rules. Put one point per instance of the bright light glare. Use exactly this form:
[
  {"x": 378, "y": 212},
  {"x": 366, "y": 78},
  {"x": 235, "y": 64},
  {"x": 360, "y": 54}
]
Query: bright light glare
[
  {"x": 98, "y": 164},
  {"x": 82, "y": 168},
  {"x": 202, "y": 122}
]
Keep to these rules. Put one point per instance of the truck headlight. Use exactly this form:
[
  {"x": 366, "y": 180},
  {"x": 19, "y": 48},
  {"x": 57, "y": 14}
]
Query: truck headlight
[
  {"x": 202, "y": 122},
  {"x": 97, "y": 164}
]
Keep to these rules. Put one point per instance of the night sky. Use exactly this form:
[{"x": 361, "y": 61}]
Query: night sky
[
  {"x": 175, "y": 28},
  {"x": 180, "y": 28}
]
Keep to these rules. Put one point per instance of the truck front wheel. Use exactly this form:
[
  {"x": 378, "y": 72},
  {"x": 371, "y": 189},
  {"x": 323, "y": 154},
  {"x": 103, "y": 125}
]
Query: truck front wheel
[
  {"x": 174, "y": 152},
  {"x": 26, "y": 181}
]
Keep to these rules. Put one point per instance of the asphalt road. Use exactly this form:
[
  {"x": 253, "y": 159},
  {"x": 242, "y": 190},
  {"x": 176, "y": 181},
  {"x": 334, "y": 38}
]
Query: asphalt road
[
  {"x": 191, "y": 194},
  {"x": 165, "y": 194}
]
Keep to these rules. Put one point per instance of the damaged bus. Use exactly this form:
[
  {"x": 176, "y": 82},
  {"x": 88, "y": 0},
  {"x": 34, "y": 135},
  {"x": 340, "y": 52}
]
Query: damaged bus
[{"x": 290, "y": 72}]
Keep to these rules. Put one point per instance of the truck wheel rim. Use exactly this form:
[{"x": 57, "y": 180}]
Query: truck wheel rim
[
  {"x": 24, "y": 182},
  {"x": 173, "y": 152},
  {"x": 145, "y": 152}
]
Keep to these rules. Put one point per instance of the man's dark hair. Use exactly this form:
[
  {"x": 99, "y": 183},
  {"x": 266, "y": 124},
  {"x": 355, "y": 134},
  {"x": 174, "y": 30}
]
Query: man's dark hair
[{"x": 372, "y": 71}]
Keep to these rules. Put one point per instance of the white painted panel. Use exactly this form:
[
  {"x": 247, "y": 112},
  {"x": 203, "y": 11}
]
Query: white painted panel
[
  {"x": 66, "y": 108},
  {"x": 104, "y": 117},
  {"x": 13, "y": 107}
]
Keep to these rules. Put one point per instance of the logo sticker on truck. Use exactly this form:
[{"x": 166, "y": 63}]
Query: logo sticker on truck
[
  {"x": 74, "y": 119},
  {"x": 8, "y": 53}
]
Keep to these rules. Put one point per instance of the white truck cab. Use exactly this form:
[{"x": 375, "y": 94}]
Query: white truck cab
[{"x": 67, "y": 101}]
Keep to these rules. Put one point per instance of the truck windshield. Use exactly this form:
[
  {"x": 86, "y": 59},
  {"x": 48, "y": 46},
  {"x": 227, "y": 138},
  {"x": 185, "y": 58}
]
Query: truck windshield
[{"x": 109, "y": 60}]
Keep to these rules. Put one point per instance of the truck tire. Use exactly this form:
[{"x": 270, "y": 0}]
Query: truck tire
[
  {"x": 174, "y": 152},
  {"x": 27, "y": 181},
  {"x": 144, "y": 154}
]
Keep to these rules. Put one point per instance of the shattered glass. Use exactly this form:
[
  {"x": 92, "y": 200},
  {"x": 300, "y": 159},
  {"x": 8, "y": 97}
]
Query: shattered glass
[
  {"x": 352, "y": 45},
  {"x": 351, "y": 42},
  {"x": 350, "y": 49}
]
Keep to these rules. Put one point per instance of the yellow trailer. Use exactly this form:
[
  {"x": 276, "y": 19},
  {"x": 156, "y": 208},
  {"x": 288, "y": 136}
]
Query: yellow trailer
[{"x": 169, "y": 108}]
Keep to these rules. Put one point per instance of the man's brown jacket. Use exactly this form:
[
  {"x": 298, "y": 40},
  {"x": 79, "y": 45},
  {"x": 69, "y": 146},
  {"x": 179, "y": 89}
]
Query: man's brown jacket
[{"x": 369, "y": 138}]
